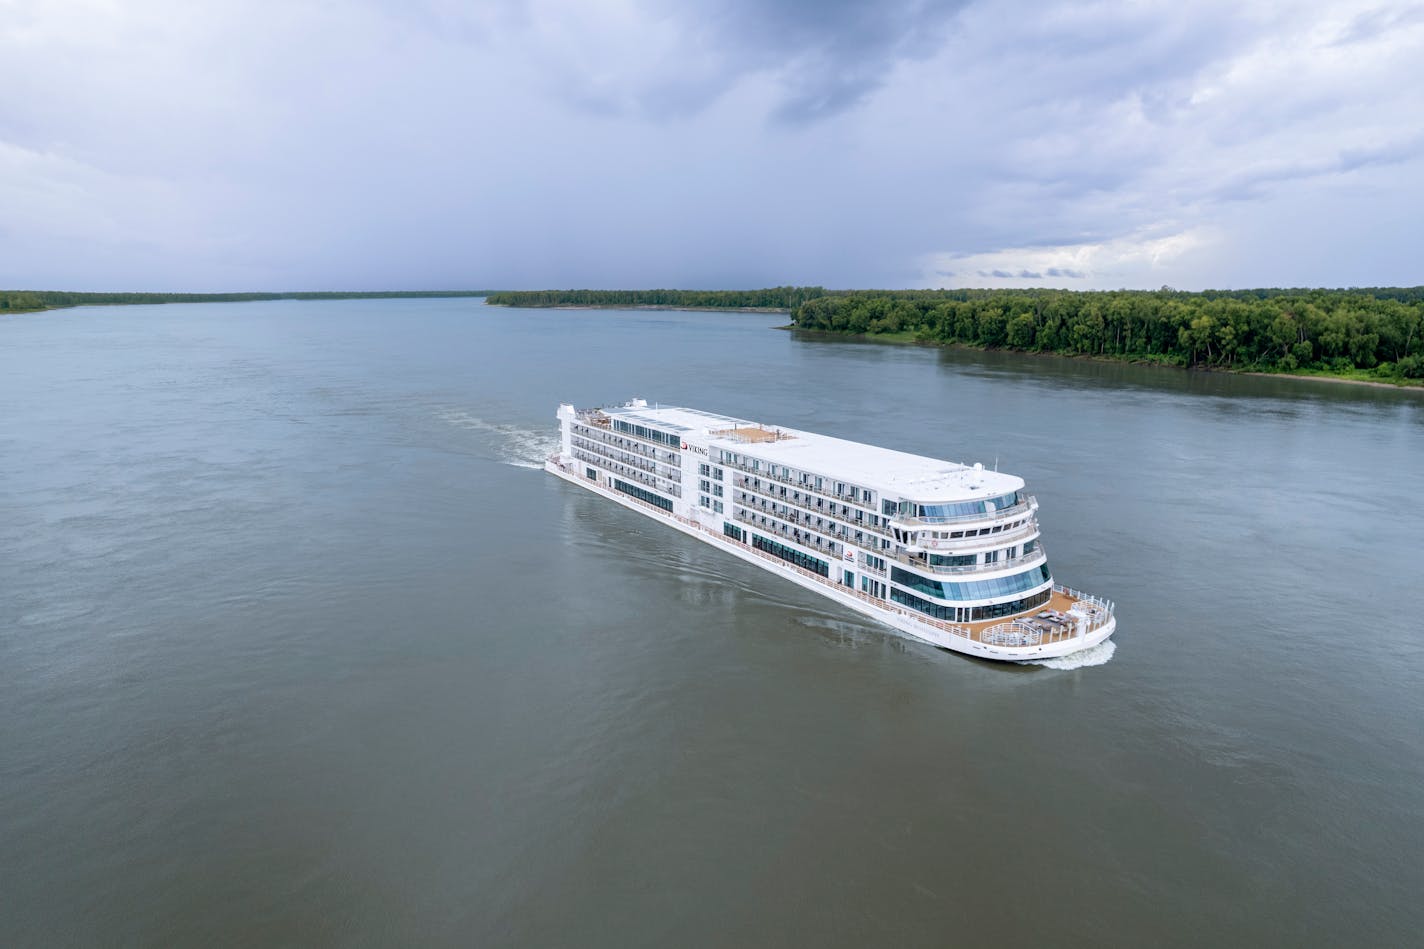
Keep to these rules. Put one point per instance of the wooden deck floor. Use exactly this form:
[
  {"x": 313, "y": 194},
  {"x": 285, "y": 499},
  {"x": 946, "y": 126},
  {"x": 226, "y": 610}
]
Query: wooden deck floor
[{"x": 1059, "y": 601}]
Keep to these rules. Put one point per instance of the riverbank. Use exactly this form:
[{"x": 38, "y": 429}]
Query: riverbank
[
  {"x": 645, "y": 306},
  {"x": 40, "y": 301},
  {"x": 764, "y": 300},
  {"x": 910, "y": 338}
]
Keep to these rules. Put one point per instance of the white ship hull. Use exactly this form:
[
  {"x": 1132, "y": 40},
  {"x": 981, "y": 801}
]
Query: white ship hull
[{"x": 904, "y": 621}]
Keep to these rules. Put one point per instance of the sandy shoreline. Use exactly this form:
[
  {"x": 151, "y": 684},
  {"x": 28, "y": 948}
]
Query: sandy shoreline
[{"x": 1405, "y": 386}]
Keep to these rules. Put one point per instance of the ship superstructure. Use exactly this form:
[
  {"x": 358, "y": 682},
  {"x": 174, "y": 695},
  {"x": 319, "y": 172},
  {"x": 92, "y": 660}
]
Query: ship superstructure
[{"x": 946, "y": 552}]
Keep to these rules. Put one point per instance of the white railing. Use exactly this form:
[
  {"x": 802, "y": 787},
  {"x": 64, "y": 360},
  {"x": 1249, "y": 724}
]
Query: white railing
[
  {"x": 800, "y": 485},
  {"x": 806, "y": 539},
  {"x": 1097, "y": 610},
  {"x": 1012, "y": 634},
  {"x": 978, "y": 542},
  {"x": 625, "y": 443},
  {"x": 742, "y": 479},
  {"x": 911, "y": 522},
  {"x": 673, "y": 472},
  {"x": 1026, "y": 560},
  {"x": 628, "y": 471},
  {"x": 837, "y": 530}
]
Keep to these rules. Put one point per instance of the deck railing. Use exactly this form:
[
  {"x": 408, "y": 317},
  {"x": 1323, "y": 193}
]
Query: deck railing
[
  {"x": 632, "y": 459},
  {"x": 1026, "y": 560},
  {"x": 977, "y": 543},
  {"x": 742, "y": 478},
  {"x": 1028, "y": 632},
  {"x": 1098, "y": 610},
  {"x": 628, "y": 471},
  {"x": 912, "y": 521},
  {"x": 833, "y": 549}
]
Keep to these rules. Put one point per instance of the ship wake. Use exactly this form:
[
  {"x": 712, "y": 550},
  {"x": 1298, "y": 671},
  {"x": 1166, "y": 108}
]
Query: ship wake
[
  {"x": 512, "y": 445},
  {"x": 1092, "y": 656}
]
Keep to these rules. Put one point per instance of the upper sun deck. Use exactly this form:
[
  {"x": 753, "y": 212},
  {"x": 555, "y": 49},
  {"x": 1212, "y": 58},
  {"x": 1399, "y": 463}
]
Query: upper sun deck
[{"x": 898, "y": 473}]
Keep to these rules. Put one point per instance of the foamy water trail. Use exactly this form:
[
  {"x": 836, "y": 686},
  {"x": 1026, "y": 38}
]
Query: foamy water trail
[
  {"x": 1093, "y": 656},
  {"x": 521, "y": 447}
]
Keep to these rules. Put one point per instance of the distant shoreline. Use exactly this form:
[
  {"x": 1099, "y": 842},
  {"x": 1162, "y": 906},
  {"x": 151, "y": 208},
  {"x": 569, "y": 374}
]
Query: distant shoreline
[
  {"x": 14, "y": 302},
  {"x": 900, "y": 340},
  {"x": 647, "y": 306}
]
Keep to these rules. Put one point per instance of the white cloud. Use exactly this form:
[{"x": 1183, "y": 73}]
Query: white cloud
[{"x": 1135, "y": 260}]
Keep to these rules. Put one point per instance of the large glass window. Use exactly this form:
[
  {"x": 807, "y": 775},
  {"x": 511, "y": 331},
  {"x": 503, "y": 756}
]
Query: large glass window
[
  {"x": 935, "y": 610},
  {"x": 651, "y": 434},
  {"x": 967, "y": 508},
  {"x": 972, "y": 589},
  {"x": 963, "y": 614},
  {"x": 643, "y": 494},
  {"x": 951, "y": 560},
  {"x": 995, "y": 610},
  {"x": 791, "y": 555}
]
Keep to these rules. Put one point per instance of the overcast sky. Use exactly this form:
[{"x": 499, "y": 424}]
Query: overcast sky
[{"x": 294, "y": 144}]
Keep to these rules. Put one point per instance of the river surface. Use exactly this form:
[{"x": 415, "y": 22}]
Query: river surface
[{"x": 299, "y": 647}]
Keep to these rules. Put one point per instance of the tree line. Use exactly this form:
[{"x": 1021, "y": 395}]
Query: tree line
[
  {"x": 1377, "y": 330},
  {"x": 1275, "y": 330},
  {"x": 771, "y": 298},
  {"x": 24, "y": 301}
]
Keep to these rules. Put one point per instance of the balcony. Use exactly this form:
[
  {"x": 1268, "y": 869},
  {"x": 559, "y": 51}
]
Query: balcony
[
  {"x": 664, "y": 485},
  {"x": 970, "y": 544},
  {"x": 833, "y": 503},
  {"x": 915, "y": 523},
  {"x": 808, "y": 540},
  {"x": 631, "y": 459},
  {"x": 1018, "y": 563},
  {"x": 834, "y": 530},
  {"x": 630, "y": 443}
]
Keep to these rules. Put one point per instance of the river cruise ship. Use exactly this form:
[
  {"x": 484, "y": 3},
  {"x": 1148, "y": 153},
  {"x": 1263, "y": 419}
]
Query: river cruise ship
[{"x": 945, "y": 552}]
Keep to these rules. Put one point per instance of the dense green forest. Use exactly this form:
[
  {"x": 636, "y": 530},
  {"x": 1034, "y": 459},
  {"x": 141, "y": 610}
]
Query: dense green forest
[
  {"x": 1370, "y": 332},
  {"x": 24, "y": 301},
  {"x": 772, "y": 298},
  {"x": 1337, "y": 331}
]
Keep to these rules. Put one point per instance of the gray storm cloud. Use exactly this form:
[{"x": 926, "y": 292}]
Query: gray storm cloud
[{"x": 166, "y": 145}]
